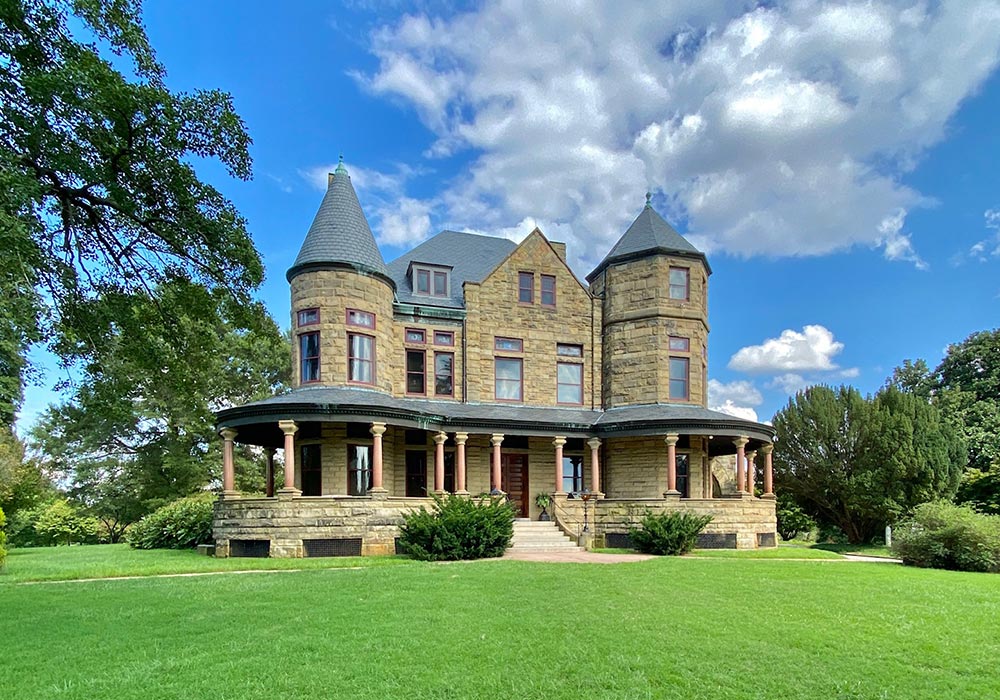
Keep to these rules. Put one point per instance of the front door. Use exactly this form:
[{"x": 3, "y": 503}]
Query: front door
[{"x": 514, "y": 481}]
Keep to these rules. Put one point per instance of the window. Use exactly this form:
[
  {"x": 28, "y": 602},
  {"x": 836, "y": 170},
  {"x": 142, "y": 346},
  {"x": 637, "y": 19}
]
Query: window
[
  {"x": 508, "y": 371},
  {"x": 679, "y": 283},
  {"x": 415, "y": 335},
  {"x": 308, "y": 317},
  {"x": 526, "y": 287},
  {"x": 568, "y": 350},
  {"x": 360, "y": 318},
  {"x": 679, "y": 378},
  {"x": 311, "y": 469},
  {"x": 309, "y": 357},
  {"x": 548, "y": 290},
  {"x": 508, "y": 344},
  {"x": 444, "y": 338},
  {"x": 360, "y": 358},
  {"x": 444, "y": 373},
  {"x": 572, "y": 474},
  {"x": 569, "y": 383},
  {"x": 359, "y": 469},
  {"x": 416, "y": 371},
  {"x": 423, "y": 281},
  {"x": 678, "y": 343},
  {"x": 440, "y": 284},
  {"x": 431, "y": 281},
  {"x": 683, "y": 475}
]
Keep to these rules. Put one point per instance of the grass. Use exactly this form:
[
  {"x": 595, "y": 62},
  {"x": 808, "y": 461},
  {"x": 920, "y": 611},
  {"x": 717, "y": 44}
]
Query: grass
[
  {"x": 783, "y": 551},
  {"x": 108, "y": 560},
  {"x": 665, "y": 628},
  {"x": 868, "y": 550}
]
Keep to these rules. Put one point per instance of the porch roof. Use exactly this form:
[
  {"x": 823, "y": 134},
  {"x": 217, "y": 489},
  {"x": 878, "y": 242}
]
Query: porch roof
[{"x": 318, "y": 404}]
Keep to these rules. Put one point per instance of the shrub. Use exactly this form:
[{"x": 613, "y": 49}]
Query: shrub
[
  {"x": 179, "y": 525},
  {"x": 53, "y": 523},
  {"x": 458, "y": 528},
  {"x": 942, "y": 535},
  {"x": 792, "y": 520},
  {"x": 668, "y": 533},
  {"x": 3, "y": 538}
]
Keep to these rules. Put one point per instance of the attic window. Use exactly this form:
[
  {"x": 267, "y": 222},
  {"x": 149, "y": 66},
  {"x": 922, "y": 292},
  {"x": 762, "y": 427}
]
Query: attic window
[{"x": 430, "y": 281}]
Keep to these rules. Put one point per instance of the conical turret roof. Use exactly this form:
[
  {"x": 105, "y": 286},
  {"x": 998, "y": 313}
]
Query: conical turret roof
[
  {"x": 649, "y": 234},
  {"x": 340, "y": 235}
]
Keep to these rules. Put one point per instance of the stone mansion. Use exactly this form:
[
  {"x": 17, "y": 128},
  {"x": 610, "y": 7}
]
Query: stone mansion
[{"x": 471, "y": 365}]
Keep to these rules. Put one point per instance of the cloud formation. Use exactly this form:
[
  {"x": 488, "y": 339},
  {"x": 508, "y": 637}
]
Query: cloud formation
[
  {"x": 812, "y": 349},
  {"x": 734, "y": 398},
  {"x": 782, "y": 129}
]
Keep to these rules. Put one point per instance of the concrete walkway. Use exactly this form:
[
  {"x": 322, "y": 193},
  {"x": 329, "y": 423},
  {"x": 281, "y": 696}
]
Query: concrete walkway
[{"x": 556, "y": 557}]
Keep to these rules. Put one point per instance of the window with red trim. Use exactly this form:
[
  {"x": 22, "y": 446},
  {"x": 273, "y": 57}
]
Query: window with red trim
[
  {"x": 680, "y": 287},
  {"x": 509, "y": 374},
  {"x": 360, "y": 358},
  {"x": 307, "y": 317},
  {"x": 680, "y": 368},
  {"x": 308, "y": 357},
  {"x": 416, "y": 372},
  {"x": 365, "y": 319},
  {"x": 526, "y": 287},
  {"x": 548, "y": 290},
  {"x": 444, "y": 374}
]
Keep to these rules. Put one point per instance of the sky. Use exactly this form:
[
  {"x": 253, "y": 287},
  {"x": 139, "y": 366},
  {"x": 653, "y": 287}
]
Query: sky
[{"x": 836, "y": 160}]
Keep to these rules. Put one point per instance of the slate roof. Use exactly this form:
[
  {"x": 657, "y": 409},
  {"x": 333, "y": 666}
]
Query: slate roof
[
  {"x": 649, "y": 233},
  {"x": 340, "y": 234},
  {"x": 471, "y": 258},
  {"x": 643, "y": 419}
]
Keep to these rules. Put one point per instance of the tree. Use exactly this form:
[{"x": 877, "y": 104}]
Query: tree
[
  {"x": 144, "y": 412},
  {"x": 98, "y": 195},
  {"x": 23, "y": 485},
  {"x": 860, "y": 463}
]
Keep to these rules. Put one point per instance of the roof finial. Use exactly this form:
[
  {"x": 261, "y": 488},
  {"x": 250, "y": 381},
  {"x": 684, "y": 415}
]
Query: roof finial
[
  {"x": 649, "y": 196},
  {"x": 341, "y": 170}
]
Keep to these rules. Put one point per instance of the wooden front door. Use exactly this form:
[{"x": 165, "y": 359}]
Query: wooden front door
[{"x": 514, "y": 481}]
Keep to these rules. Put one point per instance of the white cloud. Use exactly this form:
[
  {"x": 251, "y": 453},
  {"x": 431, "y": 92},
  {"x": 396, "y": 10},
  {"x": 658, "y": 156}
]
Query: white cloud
[
  {"x": 811, "y": 349},
  {"x": 731, "y": 409},
  {"x": 790, "y": 383},
  {"x": 785, "y": 129},
  {"x": 406, "y": 224},
  {"x": 988, "y": 247}
]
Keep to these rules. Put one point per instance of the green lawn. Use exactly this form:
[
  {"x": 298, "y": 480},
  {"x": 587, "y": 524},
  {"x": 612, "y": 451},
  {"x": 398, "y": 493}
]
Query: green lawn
[
  {"x": 107, "y": 560},
  {"x": 783, "y": 551},
  {"x": 869, "y": 550},
  {"x": 666, "y": 628}
]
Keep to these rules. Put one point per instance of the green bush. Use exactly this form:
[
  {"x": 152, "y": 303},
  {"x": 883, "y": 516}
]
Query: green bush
[
  {"x": 3, "y": 538},
  {"x": 458, "y": 528},
  {"x": 668, "y": 533},
  {"x": 942, "y": 535},
  {"x": 792, "y": 520},
  {"x": 52, "y": 523},
  {"x": 182, "y": 524}
]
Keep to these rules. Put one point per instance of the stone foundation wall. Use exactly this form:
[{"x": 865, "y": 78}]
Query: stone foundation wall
[
  {"x": 285, "y": 523},
  {"x": 745, "y": 516}
]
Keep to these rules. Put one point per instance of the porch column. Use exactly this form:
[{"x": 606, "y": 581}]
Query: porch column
[
  {"x": 460, "y": 440},
  {"x": 595, "y": 466},
  {"x": 559, "y": 442},
  {"x": 495, "y": 440},
  {"x": 269, "y": 473},
  {"x": 768, "y": 471},
  {"x": 439, "y": 439},
  {"x": 671, "y": 440},
  {"x": 751, "y": 468},
  {"x": 228, "y": 470},
  {"x": 289, "y": 428},
  {"x": 740, "y": 443},
  {"x": 377, "y": 430}
]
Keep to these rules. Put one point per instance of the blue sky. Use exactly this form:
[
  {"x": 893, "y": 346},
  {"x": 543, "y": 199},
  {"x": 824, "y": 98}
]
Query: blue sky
[{"x": 836, "y": 160}]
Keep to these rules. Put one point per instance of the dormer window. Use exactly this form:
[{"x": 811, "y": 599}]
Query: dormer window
[{"x": 431, "y": 280}]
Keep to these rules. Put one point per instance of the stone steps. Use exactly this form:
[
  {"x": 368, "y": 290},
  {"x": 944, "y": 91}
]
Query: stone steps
[{"x": 535, "y": 536}]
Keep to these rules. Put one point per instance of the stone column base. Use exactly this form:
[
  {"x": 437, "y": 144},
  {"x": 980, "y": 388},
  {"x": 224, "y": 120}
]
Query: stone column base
[
  {"x": 768, "y": 496},
  {"x": 229, "y": 495},
  {"x": 463, "y": 492},
  {"x": 379, "y": 494},
  {"x": 586, "y": 540},
  {"x": 288, "y": 494},
  {"x": 672, "y": 495}
]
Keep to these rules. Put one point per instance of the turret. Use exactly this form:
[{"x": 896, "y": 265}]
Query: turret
[
  {"x": 654, "y": 286},
  {"x": 341, "y": 296}
]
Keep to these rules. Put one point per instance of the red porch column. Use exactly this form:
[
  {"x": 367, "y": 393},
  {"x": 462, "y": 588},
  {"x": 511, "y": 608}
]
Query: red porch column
[
  {"x": 439, "y": 439},
  {"x": 595, "y": 467},
  {"x": 740, "y": 442},
  {"x": 768, "y": 471},
  {"x": 559, "y": 442},
  {"x": 460, "y": 440},
  {"x": 288, "y": 427},
  {"x": 228, "y": 468},
  {"x": 269, "y": 473},
  {"x": 377, "y": 430},
  {"x": 671, "y": 440},
  {"x": 751, "y": 471},
  {"x": 495, "y": 440}
]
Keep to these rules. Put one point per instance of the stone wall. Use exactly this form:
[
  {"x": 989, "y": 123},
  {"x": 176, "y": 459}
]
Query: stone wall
[
  {"x": 493, "y": 310},
  {"x": 333, "y": 292},
  {"x": 745, "y": 517},
  {"x": 639, "y": 318}
]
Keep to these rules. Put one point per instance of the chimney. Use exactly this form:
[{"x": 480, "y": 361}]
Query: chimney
[{"x": 560, "y": 249}]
